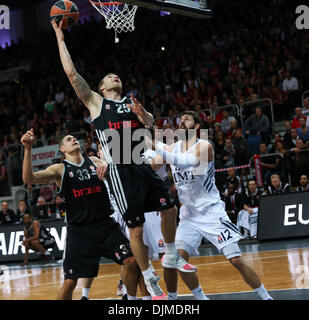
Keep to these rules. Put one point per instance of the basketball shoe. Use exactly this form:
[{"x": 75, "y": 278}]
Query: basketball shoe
[
  {"x": 175, "y": 261},
  {"x": 154, "y": 289}
]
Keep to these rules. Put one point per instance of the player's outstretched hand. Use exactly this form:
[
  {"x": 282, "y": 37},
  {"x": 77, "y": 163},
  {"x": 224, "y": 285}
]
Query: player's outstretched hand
[
  {"x": 101, "y": 171},
  {"x": 58, "y": 29},
  {"x": 138, "y": 109},
  {"x": 27, "y": 139}
]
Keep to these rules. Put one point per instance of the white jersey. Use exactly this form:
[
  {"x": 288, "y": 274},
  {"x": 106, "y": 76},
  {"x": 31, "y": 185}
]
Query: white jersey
[
  {"x": 197, "y": 193},
  {"x": 149, "y": 155}
]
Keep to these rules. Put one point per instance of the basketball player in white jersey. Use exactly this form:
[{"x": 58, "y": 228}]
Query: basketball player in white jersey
[{"x": 202, "y": 213}]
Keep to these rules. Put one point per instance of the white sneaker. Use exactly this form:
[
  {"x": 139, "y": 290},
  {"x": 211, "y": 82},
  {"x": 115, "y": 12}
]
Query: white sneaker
[
  {"x": 154, "y": 289},
  {"x": 175, "y": 261}
]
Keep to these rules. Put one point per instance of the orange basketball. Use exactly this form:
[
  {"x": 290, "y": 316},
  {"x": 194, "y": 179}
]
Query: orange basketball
[{"x": 66, "y": 11}]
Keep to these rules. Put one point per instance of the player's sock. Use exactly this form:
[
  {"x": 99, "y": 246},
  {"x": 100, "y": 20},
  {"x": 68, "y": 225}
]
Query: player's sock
[
  {"x": 148, "y": 274},
  {"x": 147, "y": 298},
  {"x": 85, "y": 292},
  {"x": 199, "y": 294},
  {"x": 124, "y": 290},
  {"x": 170, "y": 248},
  {"x": 47, "y": 253},
  {"x": 262, "y": 292},
  {"x": 131, "y": 297},
  {"x": 172, "y": 295}
]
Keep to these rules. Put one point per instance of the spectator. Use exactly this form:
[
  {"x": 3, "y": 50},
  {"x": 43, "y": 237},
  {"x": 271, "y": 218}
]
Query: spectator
[
  {"x": 233, "y": 179},
  {"x": 277, "y": 138},
  {"x": 7, "y": 215},
  {"x": 290, "y": 141},
  {"x": 233, "y": 203},
  {"x": 299, "y": 161},
  {"x": 277, "y": 186},
  {"x": 21, "y": 210},
  {"x": 258, "y": 125},
  {"x": 219, "y": 150},
  {"x": 229, "y": 153},
  {"x": 268, "y": 163},
  {"x": 304, "y": 184},
  {"x": 226, "y": 122},
  {"x": 59, "y": 207},
  {"x": 247, "y": 218},
  {"x": 291, "y": 86},
  {"x": 49, "y": 104},
  {"x": 241, "y": 146},
  {"x": 4, "y": 187},
  {"x": 303, "y": 130},
  {"x": 59, "y": 96},
  {"x": 296, "y": 120},
  {"x": 305, "y": 111},
  {"x": 41, "y": 201}
]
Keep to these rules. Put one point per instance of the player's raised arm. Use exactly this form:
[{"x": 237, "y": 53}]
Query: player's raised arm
[
  {"x": 90, "y": 99},
  {"x": 52, "y": 173}
]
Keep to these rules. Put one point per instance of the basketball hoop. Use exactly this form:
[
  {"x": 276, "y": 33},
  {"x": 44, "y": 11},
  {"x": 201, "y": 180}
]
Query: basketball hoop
[{"x": 118, "y": 15}]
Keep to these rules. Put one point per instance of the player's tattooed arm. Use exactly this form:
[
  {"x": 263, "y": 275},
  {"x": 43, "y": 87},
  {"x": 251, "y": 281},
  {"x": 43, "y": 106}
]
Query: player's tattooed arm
[{"x": 91, "y": 99}]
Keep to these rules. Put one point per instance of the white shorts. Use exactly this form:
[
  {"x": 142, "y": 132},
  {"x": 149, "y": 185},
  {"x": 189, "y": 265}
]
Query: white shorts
[
  {"x": 152, "y": 234},
  {"x": 215, "y": 226},
  {"x": 118, "y": 217},
  {"x": 153, "y": 237}
]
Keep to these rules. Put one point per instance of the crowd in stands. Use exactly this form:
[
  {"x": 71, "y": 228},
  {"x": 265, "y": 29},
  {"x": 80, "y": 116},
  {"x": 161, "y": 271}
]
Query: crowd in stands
[{"x": 237, "y": 58}]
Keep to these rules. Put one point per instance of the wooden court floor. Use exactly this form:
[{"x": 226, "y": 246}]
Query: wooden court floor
[{"x": 278, "y": 269}]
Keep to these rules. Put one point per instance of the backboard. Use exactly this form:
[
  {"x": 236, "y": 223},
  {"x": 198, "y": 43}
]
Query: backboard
[{"x": 191, "y": 8}]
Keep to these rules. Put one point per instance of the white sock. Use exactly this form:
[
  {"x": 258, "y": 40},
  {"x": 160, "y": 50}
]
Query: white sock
[
  {"x": 148, "y": 274},
  {"x": 147, "y": 298},
  {"x": 85, "y": 292},
  {"x": 172, "y": 295},
  {"x": 124, "y": 290},
  {"x": 199, "y": 294},
  {"x": 131, "y": 298},
  {"x": 262, "y": 292},
  {"x": 170, "y": 248},
  {"x": 47, "y": 253}
]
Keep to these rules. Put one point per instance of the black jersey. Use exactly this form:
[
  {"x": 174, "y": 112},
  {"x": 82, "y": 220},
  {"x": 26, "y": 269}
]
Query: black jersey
[
  {"x": 44, "y": 233},
  {"x": 116, "y": 117},
  {"x": 252, "y": 200},
  {"x": 85, "y": 195}
]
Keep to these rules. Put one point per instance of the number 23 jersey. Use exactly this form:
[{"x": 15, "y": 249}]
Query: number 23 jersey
[{"x": 85, "y": 195}]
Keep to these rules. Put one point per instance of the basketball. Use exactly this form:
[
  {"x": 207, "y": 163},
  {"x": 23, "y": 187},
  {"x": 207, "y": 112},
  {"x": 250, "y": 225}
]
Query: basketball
[{"x": 66, "y": 11}]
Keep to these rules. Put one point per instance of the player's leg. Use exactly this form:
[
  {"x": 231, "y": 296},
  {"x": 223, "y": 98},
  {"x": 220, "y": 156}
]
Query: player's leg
[
  {"x": 86, "y": 285},
  {"x": 225, "y": 236},
  {"x": 38, "y": 245},
  {"x": 130, "y": 277},
  {"x": 138, "y": 247},
  {"x": 116, "y": 246},
  {"x": 248, "y": 274},
  {"x": 66, "y": 291}
]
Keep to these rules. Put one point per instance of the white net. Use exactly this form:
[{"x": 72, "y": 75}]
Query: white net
[{"x": 119, "y": 16}]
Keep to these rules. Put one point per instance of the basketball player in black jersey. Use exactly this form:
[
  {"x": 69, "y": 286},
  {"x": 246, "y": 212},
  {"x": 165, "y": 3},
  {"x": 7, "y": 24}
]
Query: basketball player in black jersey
[
  {"x": 37, "y": 238},
  {"x": 91, "y": 232},
  {"x": 136, "y": 188}
]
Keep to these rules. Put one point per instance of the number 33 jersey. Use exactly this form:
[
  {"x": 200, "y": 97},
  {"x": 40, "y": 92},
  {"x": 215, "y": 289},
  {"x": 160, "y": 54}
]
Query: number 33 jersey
[{"x": 85, "y": 195}]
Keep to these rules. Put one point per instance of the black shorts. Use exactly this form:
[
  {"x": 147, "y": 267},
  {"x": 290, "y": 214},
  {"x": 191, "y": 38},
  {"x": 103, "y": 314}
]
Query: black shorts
[
  {"x": 138, "y": 189},
  {"x": 86, "y": 244}
]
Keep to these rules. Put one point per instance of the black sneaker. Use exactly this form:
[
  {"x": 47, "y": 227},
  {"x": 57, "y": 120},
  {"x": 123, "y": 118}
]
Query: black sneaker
[
  {"x": 84, "y": 298},
  {"x": 49, "y": 258},
  {"x": 125, "y": 297}
]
